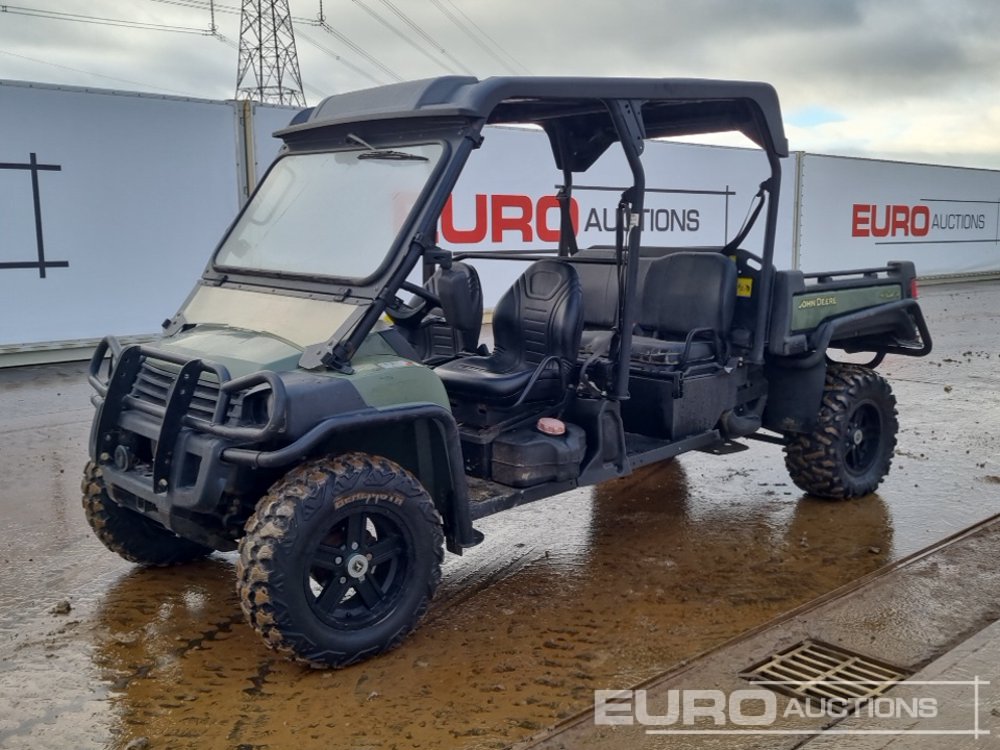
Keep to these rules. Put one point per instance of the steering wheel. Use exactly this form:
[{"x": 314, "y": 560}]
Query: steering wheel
[
  {"x": 421, "y": 292},
  {"x": 408, "y": 314}
]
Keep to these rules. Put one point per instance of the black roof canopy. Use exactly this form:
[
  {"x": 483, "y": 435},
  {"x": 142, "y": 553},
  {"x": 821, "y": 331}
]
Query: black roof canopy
[{"x": 569, "y": 109}]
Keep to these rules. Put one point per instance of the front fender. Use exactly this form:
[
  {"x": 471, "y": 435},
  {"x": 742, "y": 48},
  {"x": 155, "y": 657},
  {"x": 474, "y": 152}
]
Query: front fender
[{"x": 421, "y": 437}]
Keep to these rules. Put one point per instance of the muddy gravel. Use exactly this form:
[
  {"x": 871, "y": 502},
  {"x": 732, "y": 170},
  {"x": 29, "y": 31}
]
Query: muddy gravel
[{"x": 597, "y": 588}]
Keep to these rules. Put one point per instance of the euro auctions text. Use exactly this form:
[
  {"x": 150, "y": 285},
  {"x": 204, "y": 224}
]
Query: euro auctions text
[
  {"x": 759, "y": 710},
  {"x": 744, "y": 708}
]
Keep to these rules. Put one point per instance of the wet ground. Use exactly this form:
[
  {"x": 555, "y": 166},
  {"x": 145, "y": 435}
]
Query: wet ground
[{"x": 598, "y": 588}]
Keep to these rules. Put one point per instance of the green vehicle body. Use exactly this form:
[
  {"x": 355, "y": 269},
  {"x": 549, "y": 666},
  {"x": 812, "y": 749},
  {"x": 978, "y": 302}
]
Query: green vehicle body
[
  {"x": 812, "y": 309},
  {"x": 379, "y": 380}
]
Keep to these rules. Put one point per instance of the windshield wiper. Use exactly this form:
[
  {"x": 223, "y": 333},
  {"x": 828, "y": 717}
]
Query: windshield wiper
[
  {"x": 391, "y": 155},
  {"x": 388, "y": 154}
]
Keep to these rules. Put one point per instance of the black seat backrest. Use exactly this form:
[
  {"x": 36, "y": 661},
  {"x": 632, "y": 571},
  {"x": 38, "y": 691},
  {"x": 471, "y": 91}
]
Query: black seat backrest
[
  {"x": 600, "y": 286},
  {"x": 461, "y": 297},
  {"x": 599, "y": 282},
  {"x": 688, "y": 290},
  {"x": 540, "y": 315}
]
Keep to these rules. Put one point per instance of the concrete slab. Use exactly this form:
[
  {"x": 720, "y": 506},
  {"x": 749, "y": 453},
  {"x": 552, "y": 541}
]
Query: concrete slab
[
  {"x": 922, "y": 615},
  {"x": 963, "y": 712}
]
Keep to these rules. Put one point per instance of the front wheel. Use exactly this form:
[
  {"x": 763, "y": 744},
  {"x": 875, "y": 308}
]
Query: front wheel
[
  {"x": 131, "y": 535},
  {"x": 340, "y": 560},
  {"x": 850, "y": 451}
]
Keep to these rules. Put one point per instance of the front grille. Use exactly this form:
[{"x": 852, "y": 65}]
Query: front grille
[{"x": 154, "y": 381}]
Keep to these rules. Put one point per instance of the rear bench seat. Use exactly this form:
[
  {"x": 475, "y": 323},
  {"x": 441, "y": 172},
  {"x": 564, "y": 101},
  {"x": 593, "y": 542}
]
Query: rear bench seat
[
  {"x": 600, "y": 294},
  {"x": 685, "y": 306},
  {"x": 686, "y": 309}
]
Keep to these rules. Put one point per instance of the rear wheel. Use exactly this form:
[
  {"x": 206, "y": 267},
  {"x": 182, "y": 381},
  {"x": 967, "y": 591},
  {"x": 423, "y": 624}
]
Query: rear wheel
[
  {"x": 340, "y": 560},
  {"x": 850, "y": 451},
  {"x": 131, "y": 535}
]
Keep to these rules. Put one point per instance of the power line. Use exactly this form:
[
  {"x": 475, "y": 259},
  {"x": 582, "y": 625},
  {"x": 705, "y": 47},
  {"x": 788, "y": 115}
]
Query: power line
[
  {"x": 318, "y": 22},
  {"x": 322, "y": 23},
  {"x": 401, "y": 35},
  {"x": 201, "y": 6},
  {"x": 487, "y": 36},
  {"x": 468, "y": 32},
  {"x": 54, "y": 15},
  {"x": 338, "y": 58},
  {"x": 221, "y": 8},
  {"x": 359, "y": 50},
  {"x": 205, "y": 5},
  {"x": 423, "y": 34},
  {"x": 98, "y": 75},
  {"x": 226, "y": 40},
  {"x": 232, "y": 9},
  {"x": 319, "y": 95}
]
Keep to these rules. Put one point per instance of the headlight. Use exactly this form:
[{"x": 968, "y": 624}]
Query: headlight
[{"x": 256, "y": 407}]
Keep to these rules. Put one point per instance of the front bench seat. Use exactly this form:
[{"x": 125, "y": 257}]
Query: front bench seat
[
  {"x": 687, "y": 308},
  {"x": 536, "y": 332}
]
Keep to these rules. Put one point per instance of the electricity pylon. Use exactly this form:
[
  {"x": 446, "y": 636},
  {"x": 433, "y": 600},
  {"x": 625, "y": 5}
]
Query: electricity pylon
[{"x": 268, "y": 69}]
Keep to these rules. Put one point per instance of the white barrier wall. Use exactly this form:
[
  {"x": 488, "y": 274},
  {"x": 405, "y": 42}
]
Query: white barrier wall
[
  {"x": 115, "y": 219},
  {"x": 111, "y": 203},
  {"x": 856, "y": 213}
]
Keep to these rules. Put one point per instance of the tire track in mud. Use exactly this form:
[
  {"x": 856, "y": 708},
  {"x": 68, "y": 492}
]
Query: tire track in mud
[{"x": 461, "y": 589}]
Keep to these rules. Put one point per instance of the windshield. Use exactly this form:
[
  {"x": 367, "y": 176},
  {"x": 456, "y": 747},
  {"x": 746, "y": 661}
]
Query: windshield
[{"x": 329, "y": 214}]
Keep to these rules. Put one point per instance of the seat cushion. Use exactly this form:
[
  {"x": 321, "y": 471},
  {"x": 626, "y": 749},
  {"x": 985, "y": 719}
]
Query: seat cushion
[
  {"x": 496, "y": 381},
  {"x": 647, "y": 349},
  {"x": 660, "y": 352},
  {"x": 537, "y": 322},
  {"x": 595, "y": 341}
]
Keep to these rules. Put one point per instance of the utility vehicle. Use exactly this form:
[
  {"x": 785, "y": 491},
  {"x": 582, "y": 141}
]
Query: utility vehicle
[{"x": 340, "y": 424}]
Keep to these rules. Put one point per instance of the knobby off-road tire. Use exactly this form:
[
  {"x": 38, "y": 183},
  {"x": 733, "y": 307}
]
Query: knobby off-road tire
[
  {"x": 340, "y": 560},
  {"x": 850, "y": 451},
  {"x": 131, "y": 535}
]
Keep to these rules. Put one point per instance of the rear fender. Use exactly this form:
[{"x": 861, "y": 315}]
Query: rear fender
[
  {"x": 795, "y": 384},
  {"x": 794, "y": 394},
  {"x": 893, "y": 328}
]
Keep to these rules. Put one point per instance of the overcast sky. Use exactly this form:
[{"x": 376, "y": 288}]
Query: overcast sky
[{"x": 900, "y": 79}]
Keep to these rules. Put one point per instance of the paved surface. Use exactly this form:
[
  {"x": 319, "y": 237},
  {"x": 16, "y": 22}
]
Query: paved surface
[
  {"x": 932, "y": 616},
  {"x": 598, "y": 588},
  {"x": 965, "y": 681}
]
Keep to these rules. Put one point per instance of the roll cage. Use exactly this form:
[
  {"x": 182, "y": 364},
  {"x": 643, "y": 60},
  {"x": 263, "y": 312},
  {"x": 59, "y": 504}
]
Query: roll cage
[{"x": 582, "y": 118}]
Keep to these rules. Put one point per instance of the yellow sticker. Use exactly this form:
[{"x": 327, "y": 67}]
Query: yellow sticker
[{"x": 744, "y": 286}]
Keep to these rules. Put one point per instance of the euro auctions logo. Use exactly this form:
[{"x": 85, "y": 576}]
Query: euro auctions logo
[
  {"x": 744, "y": 708},
  {"x": 498, "y": 218},
  {"x": 914, "y": 221},
  {"x": 922, "y": 708},
  {"x": 495, "y": 216},
  {"x": 872, "y": 220}
]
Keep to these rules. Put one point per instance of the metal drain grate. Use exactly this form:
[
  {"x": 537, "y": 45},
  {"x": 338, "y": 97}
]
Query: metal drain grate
[{"x": 819, "y": 671}]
